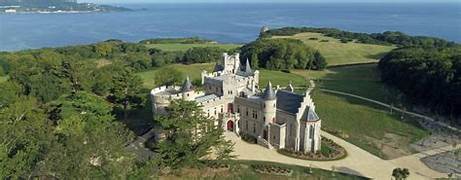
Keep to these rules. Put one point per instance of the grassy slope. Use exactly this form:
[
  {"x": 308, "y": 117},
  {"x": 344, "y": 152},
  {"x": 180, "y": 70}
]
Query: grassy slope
[
  {"x": 358, "y": 119},
  {"x": 184, "y": 47},
  {"x": 193, "y": 71},
  {"x": 337, "y": 53},
  {"x": 366, "y": 125},
  {"x": 362, "y": 80}
]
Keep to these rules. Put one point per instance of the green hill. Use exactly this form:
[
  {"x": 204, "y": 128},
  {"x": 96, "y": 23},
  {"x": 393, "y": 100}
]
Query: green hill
[{"x": 339, "y": 53}]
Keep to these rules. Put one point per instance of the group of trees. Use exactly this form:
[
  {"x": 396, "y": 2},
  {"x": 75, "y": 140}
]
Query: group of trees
[
  {"x": 62, "y": 116},
  {"x": 282, "y": 54},
  {"x": 135, "y": 55},
  {"x": 428, "y": 76},
  {"x": 386, "y": 38}
]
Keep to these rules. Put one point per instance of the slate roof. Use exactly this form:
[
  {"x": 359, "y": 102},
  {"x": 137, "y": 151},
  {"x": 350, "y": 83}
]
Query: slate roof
[
  {"x": 269, "y": 93},
  {"x": 187, "y": 85},
  {"x": 205, "y": 98},
  {"x": 288, "y": 101},
  {"x": 312, "y": 116}
]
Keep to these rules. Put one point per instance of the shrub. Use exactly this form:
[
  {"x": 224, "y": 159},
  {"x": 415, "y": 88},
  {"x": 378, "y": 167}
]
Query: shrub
[{"x": 248, "y": 138}]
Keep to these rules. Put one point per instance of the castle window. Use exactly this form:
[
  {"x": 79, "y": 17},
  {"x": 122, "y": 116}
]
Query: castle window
[
  {"x": 247, "y": 112},
  {"x": 254, "y": 128},
  {"x": 238, "y": 109},
  {"x": 312, "y": 131},
  {"x": 246, "y": 125}
]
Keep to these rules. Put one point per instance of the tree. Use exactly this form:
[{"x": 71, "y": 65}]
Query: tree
[
  {"x": 90, "y": 142},
  {"x": 25, "y": 136},
  {"x": 126, "y": 89},
  {"x": 400, "y": 174},
  {"x": 319, "y": 61},
  {"x": 190, "y": 136}
]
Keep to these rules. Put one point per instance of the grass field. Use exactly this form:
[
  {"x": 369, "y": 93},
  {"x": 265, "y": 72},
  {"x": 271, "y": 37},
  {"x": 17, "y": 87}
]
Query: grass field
[
  {"x": 193, "y": 71},
  {"x": 185, "y": 47},
  {"x": 337, "y": 53},
  {"x": 362, "y": 80},
  {"x": 245, "y": 170},
  {"x": 368, "y": 126}
]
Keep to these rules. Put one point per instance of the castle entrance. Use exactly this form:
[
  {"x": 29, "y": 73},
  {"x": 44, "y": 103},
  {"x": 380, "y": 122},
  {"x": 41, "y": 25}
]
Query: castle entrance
[{"x": 230, "y": 125}]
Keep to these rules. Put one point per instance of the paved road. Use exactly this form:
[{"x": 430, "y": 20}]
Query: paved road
[
  {"x": 394, "y": 108},
  {"x": 358, "y": 161}
]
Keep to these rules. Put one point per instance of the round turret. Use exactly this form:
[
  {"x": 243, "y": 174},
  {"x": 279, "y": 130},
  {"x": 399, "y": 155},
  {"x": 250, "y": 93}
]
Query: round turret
[{"x": 270, "y": 104}]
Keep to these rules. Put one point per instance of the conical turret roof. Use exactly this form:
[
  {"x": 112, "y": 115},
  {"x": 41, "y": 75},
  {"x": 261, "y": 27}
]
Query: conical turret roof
[
  {"x": 290, "y": 87},
  {"x": 269, "y": 93},
  {"x": 187, "y": 85},
  {"x": 248, "y": 69}
]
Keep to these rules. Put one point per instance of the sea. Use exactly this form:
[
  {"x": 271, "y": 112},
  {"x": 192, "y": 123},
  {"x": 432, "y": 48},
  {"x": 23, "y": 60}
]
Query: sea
[{"x": 225, "y": 23}]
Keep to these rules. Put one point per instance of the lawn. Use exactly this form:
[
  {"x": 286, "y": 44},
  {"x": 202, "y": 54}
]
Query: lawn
[
  {"x": 245, "y": 170},
  {"x": 361, "y": 80},
  {"x": 185, "y": 47},
  {"x": 368, "y": 126},
  {"x": 338, "y": 53},
  {"x": 193, "y": 71}
]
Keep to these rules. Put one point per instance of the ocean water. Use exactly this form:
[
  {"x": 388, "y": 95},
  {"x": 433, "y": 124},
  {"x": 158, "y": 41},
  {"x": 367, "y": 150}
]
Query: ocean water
[{"x": 226, "y": 23}]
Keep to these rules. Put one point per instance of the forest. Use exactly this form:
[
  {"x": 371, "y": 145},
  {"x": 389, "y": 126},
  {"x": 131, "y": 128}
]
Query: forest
[
  {"x": 282, "y": 54},
  {"x": 430, "y": 77},
  {"x": 64, "y": 115}
]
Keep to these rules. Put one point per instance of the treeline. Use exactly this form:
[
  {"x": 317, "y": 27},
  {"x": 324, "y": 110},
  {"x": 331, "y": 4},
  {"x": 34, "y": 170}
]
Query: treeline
[
  {"x": 428, "y": 76},
  {"x": 135, "y": 55},
  {"x": 282, "y": 54},
  {"x": 385, "y": 38},
  {"x": 192, "y": 40}
]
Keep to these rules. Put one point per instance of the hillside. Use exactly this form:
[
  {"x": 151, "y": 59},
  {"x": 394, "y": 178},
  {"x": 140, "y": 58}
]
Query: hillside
[{"x": 341, "y": 53}]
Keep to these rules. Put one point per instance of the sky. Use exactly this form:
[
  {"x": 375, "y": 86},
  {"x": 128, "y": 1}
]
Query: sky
[{"x": 265, "y": 1}]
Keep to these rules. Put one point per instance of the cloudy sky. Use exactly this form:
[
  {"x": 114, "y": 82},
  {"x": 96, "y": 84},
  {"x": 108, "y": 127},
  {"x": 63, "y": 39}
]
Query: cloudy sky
[{"x": 259, "y": 1}]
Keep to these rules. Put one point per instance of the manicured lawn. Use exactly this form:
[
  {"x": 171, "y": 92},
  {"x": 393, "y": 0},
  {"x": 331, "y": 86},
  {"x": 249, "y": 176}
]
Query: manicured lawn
[
  {"x": 185, "y": 47},
  {"x": 280, "y": 78},
  {"x": 361, "y": 80},
  {"x": 193, "y": 71},
  {"x": 366, "y": 125},
  {"x": 245, "y": 170},
  {"x": 337, "y": 53}
]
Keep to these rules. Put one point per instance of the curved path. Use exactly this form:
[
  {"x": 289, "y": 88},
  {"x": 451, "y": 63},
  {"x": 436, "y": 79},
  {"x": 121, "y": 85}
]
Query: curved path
[
  {"x": 394, "y": 108},
  {"x": 358, "y": 161}
]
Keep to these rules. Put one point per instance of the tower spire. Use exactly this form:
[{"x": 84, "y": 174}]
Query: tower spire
[
  {"x": 269, "y": 93},
  {"x": 187, "y": 85},
  {"x": 248, "y": 69}
]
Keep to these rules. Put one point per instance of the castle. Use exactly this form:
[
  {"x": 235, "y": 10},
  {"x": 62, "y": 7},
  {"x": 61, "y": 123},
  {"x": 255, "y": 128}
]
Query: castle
[{"x": 277, "y": 118}]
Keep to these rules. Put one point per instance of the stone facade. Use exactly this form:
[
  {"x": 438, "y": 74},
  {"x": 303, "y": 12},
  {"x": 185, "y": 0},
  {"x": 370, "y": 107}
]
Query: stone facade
[{"x": 277, "y": 118}]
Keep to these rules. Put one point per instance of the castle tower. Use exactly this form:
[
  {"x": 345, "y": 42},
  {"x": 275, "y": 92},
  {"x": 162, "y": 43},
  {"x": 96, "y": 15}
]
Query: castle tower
[
  {"x": 231, "y": 63},
  {"x": 186, "y": 90},
  {"x": 270, "y": 104}
]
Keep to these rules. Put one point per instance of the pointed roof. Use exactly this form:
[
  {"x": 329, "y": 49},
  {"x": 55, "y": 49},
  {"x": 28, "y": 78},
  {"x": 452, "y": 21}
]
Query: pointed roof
[
  {"x": 269, "y": 93},
  {"x": 187, "y": 85},
  {"x": 290, "y": 87},
  {"x": 248, "y": 69}
]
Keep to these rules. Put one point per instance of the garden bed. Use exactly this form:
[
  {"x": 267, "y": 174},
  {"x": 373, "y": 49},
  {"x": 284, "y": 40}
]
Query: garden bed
[
  {"x": 272, "y": 169},
  {"x": 329, "y": 151}
]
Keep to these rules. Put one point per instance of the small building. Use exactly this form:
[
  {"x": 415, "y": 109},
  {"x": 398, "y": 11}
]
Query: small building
[
  {"x": 277, "y": 118},
  {"x": 10, "y": 10}
]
